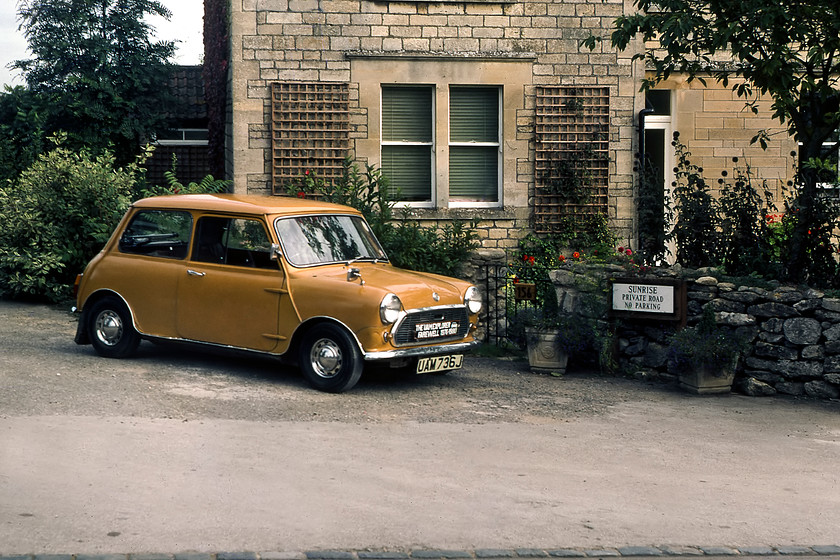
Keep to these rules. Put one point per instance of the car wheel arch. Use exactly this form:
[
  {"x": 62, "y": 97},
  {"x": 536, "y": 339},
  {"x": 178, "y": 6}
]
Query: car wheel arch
[
  {"x": 314, "y": 322},
  {"x": 99, "y": 295}
]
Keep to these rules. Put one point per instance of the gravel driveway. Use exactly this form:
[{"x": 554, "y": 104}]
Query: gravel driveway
[{"x": 178, "y": 381}]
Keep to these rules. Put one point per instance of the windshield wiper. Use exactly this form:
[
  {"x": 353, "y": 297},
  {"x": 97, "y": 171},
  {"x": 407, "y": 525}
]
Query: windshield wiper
[{"x": 366, "y": 258}]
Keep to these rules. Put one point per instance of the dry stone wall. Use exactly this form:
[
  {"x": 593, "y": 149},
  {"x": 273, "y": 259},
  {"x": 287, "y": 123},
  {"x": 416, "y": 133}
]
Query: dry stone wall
[{"x": 794, "y": 333}]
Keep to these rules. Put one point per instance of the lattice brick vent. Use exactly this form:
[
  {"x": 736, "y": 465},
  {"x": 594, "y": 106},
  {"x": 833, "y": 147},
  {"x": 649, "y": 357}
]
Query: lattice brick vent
[
  {"x": 310, "y": 130},
  {"x": 572, "y": 154}
]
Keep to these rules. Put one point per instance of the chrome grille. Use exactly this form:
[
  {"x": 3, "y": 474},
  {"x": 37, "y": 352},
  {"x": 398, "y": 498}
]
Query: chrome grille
[{"x": 436, "y": 324}]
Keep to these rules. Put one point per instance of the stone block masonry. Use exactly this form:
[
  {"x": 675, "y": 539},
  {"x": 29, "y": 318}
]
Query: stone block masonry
[{"x": 794, "y": 332}]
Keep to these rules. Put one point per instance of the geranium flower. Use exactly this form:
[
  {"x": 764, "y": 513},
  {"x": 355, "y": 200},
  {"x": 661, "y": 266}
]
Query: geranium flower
[
  {"x": 301, "y": 194},
  {"x": 561, "y": 258},
  {"x": 575, "y": 255}
]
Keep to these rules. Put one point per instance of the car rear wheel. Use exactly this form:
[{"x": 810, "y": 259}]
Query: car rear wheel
[
  {"x": 330, "y": 359},
  {"x": 110, "y": 329}
]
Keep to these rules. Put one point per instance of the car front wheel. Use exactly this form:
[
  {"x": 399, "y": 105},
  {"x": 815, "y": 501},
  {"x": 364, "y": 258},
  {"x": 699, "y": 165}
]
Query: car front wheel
[
  {"x": 330, "y": 359},
  {"x": 110, "y": 329}
]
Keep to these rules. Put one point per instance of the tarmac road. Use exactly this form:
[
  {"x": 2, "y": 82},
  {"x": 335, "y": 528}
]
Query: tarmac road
[{"x": 179, "y": 450}]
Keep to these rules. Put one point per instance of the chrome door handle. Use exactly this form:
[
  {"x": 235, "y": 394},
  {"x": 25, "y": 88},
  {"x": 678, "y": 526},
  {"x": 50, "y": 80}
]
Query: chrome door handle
[{"x": 192, "y": 272}]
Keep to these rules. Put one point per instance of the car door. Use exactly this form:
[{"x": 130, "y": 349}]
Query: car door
[
  {"x": 146, "y": 265},
  {"x": 231, "y": 289}
]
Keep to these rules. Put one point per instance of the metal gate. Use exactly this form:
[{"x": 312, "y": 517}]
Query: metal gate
[{"x": 505, "y": 298}]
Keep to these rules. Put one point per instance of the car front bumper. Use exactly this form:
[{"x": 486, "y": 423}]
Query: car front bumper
[{"x": 421, "y": 351}]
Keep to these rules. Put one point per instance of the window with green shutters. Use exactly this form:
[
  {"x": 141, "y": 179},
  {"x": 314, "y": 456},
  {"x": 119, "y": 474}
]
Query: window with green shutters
[
  {"x": 474, "y": 143},
  {"x": 473, "y": 121},
  {"x": 408, "y": 140}
]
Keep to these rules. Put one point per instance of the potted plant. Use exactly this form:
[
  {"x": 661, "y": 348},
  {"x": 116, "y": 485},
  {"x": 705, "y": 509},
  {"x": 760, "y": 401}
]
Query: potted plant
[
  {"x": 550, "y": 339},
  {"x": 705, "y": 356}
]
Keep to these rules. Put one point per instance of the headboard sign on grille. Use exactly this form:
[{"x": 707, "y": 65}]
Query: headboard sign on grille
[{"x": 643, "y": 298}]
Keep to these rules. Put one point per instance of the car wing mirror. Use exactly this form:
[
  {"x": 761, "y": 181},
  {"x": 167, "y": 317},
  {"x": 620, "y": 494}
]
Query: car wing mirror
[{"x": 276, "y": 251}]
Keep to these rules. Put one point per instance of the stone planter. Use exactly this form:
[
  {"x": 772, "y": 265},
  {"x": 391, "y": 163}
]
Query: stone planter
[
  {"x": 544, "y": 352},
  {"x": 708, "y": 380}
]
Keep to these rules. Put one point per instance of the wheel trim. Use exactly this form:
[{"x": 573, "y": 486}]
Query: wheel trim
[
  {"x": 108, "y": 328},
  {"x": 326, "y": 358}
]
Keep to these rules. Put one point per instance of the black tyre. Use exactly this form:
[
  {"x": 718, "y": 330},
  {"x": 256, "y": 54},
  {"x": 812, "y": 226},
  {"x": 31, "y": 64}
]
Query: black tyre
[
  {"x": 330, "y": 359},
  {"x": 110, "y": 329}
]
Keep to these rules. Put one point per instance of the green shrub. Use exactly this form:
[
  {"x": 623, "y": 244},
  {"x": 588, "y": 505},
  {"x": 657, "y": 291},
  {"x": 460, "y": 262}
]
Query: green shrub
[
  {"x": 56, "y": 216},
  {"x": 696, "y": 230}
]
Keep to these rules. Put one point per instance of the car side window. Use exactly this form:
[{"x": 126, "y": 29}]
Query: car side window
[
  {"x": 158, "y": 233},
  {"x": 232, "y": 241}
]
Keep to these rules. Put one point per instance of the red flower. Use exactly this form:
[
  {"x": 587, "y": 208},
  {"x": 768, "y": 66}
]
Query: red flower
[
  {"x": 306, "y": 172},
  {"x": 575, "y": 255},
  {"x": 301, "y": 194},
  {"x": 561, "y": 258},
  {"x": 515, "y": 280},
  {"x": 531, "y": 260},
  {"x": 621, "y": 249},
  {"x": 628, "y": 252}
]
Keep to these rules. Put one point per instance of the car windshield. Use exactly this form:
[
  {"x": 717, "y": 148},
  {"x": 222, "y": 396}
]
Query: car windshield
[{"x": 324, "y": 239}]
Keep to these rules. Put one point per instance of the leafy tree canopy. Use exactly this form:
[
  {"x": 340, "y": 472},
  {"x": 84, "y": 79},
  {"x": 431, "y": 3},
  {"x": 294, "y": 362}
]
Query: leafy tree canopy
[
  {"x": 96, "y": 71},
  {"x": 787, "y": 49}
]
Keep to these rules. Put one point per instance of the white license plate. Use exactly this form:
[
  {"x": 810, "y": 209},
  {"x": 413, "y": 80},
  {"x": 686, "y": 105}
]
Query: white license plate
[
  {"x": 440, "y": 329},
  {"x": 439, "y": 363}
]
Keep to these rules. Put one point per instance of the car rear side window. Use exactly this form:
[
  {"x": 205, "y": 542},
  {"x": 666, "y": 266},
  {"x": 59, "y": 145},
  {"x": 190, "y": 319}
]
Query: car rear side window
[
  {"x": 158, "y": 233},
  {"x": 232, "y": 241}
]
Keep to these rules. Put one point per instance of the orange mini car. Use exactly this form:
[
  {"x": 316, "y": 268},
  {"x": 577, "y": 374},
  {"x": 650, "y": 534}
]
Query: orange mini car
[{"x": 294, "y": 278}]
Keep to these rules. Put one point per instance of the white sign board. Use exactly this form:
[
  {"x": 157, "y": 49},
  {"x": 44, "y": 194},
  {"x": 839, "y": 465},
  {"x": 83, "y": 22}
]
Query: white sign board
[{"x": 644, "y": 298}]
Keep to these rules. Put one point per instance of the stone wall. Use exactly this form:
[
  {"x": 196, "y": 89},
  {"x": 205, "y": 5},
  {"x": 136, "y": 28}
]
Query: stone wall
[{"x": 794, "y": 333}]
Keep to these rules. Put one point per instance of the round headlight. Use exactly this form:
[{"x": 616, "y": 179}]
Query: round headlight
[
  {"x": 472, "y": 299},
  {"x": 390, "y": 308}
]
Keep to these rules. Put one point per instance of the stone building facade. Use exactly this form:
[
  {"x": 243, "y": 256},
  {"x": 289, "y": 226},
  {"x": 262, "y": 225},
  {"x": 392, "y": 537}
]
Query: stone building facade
[{"x": 469, "y": 108}]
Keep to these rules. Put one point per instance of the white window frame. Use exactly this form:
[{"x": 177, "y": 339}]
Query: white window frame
[
  {"x": 433, "y": 187},
  {"x": 183, "y": 141},
  {"x": 499, "y": 145}
]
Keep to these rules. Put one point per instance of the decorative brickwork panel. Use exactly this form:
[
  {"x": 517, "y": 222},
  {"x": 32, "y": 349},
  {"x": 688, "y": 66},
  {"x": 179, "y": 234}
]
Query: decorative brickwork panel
[
  {"x": 310, "y": 131},
  {"x": 572, "y": 154}
]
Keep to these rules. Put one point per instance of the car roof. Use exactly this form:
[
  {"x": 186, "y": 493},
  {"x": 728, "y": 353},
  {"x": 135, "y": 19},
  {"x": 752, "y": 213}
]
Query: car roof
[{"x": 246, "y": 204}]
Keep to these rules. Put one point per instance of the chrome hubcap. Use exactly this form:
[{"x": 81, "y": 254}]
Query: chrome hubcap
[
  {"x": 325, "y": 358},
  {"x": 109, "y": 328}
]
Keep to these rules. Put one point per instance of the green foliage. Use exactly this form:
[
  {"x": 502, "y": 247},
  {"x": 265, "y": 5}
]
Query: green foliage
[
  {"x": 208, "y": 185},
  {"x": 705, "y": 344},
  {"x": 584, "y": 233},
  {"x": 789, "y": 51},
  {"x": 741, "y": 232},
  {"x": 410, "y": 245},
  {"x": 441, "y": 250},
  {"x": 56, "y": 216},
  {"x": 816, "y": 243},
  {"x": 22, "y": 134},
  {"x": 96, "y": 73},
  {"x": 744, "y": 235},
  {"x": 696, "y": 226}
]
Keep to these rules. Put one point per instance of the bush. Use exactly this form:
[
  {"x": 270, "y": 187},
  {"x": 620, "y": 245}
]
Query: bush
[{"x": 56, "y": 216}]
